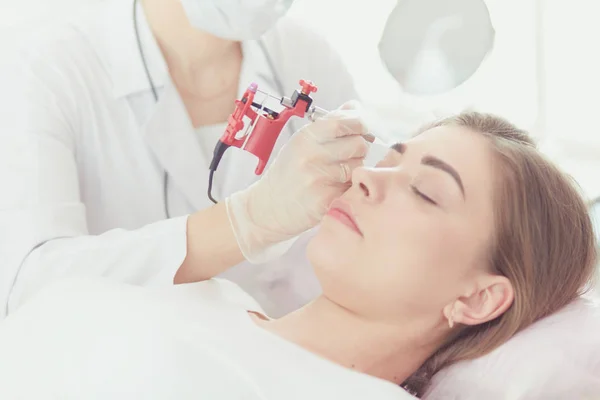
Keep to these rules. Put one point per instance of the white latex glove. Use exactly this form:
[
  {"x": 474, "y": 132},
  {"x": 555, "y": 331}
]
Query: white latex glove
[{"x": 310, "y": 171}]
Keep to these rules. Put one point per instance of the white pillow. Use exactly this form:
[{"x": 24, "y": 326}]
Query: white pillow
[{"x": 556, "y": 358}]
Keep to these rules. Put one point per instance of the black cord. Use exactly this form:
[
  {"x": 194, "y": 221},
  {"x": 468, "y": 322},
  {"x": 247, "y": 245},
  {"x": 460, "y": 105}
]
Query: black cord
[
  {"x": 218, "y": 152},
  {"x": 210, "y": 183}
]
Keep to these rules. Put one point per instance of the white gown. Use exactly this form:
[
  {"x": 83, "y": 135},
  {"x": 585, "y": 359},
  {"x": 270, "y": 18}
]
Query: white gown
[{"x": 104, "y": 340}]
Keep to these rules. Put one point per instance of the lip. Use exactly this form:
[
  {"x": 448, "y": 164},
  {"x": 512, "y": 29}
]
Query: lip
[{"x": 341, "y": 211}]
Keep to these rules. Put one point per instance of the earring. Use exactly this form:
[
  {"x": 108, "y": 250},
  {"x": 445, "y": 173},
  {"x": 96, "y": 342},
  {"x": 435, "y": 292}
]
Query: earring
[{"x": 451, "y": 319}]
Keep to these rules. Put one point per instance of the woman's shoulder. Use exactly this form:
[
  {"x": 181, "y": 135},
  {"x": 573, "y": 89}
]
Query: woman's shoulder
[
  {"x": 129, "y": 339},
  {"x": 84, "y": 309}
]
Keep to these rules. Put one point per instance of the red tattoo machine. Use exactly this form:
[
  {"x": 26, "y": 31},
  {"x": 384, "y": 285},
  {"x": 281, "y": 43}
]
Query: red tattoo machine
[{"x": 261, "y": 126}]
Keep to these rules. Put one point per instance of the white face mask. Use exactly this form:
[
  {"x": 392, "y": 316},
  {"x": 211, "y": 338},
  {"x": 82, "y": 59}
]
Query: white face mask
[{"x": 235, "y": 19}]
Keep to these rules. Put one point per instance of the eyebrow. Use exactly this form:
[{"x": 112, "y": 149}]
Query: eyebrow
[
  {"x": 435, "y": 163},
  {"x": 399, "y": 147}
]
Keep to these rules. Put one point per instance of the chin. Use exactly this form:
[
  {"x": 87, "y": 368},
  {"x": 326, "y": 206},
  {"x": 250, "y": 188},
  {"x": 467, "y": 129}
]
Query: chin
[
  {"x": 324, "y": 248},
  {"x": 331, "y": 256},
  {"x": 333, "y": 237},
  {"x": 334, "y": 269}
]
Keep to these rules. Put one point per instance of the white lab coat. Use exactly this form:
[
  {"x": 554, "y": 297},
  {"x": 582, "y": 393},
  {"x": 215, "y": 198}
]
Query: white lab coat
[{"x": 84, "y": 149}]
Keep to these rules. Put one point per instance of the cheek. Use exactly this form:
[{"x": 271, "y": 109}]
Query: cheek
[
  {"x": 440, "y": 259},
  {"x": 406, "y": 233},
  {"x": 416, "y": 250}
]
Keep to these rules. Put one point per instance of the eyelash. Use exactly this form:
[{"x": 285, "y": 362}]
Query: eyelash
[{"x": 422, "y": 196}]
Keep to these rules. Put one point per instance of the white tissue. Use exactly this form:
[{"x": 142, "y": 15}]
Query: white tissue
[{"x": 377, "y": 150}]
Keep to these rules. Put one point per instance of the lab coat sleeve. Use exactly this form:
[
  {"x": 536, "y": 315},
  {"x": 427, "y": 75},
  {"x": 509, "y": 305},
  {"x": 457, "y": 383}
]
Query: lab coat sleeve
[{"x": 43, "y": 229}]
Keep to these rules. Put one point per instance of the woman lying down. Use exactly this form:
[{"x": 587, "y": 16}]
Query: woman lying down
[{"x": 458, "y": 239}]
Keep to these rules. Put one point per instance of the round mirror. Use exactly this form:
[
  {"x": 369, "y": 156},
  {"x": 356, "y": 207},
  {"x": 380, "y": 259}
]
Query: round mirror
[{"x": 432, "y": 46}]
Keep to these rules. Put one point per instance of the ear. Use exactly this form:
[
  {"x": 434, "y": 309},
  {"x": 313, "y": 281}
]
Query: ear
[{"x": 492, "y": 296}]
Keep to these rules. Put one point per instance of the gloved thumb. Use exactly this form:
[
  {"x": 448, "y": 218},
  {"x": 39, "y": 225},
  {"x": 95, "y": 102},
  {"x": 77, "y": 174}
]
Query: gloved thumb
[
  {"x": 352, "y": 112},
  {"x": 349, "y": 110}
]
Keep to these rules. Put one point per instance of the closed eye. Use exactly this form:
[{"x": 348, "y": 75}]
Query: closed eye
[{"x": 423, "y": 196}]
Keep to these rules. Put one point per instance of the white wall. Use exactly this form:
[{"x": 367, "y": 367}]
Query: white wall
[{"x": 571, "y": 87}]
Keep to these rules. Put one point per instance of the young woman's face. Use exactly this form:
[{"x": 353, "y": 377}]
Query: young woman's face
[{"x": 409, "y": 233}]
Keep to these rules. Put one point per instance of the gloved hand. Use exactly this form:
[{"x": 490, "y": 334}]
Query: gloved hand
[{"x": 310, "y": 171}]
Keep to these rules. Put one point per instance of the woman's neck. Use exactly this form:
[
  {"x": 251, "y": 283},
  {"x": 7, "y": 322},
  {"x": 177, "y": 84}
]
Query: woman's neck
[
  {"x": 390, "y": 352},
  {"x": 201, "y": 65}
]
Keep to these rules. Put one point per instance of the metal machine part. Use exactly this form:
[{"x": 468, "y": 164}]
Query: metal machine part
[{"x": 255, "y": 128}]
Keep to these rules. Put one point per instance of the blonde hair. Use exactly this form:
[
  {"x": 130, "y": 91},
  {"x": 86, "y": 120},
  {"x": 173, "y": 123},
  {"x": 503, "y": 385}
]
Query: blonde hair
[{"x": 543, "y": 243}]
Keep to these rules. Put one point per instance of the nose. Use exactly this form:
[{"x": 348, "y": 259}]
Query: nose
[{"x": 370, "y": 182}]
